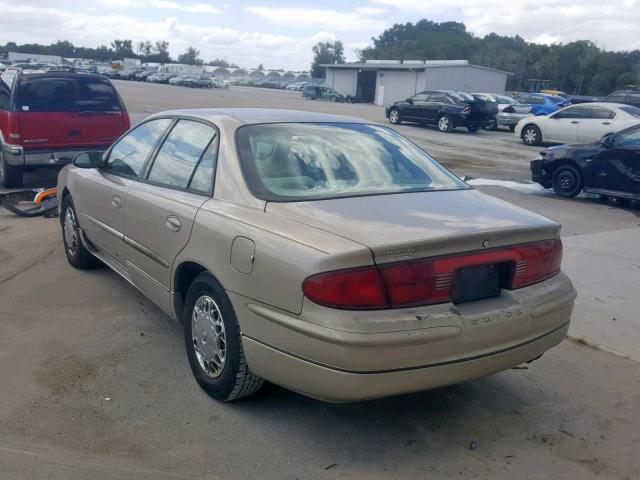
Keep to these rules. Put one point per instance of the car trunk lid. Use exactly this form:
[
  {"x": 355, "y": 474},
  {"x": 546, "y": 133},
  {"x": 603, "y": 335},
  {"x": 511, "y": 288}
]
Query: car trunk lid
[{"x": 416, "y": 225}]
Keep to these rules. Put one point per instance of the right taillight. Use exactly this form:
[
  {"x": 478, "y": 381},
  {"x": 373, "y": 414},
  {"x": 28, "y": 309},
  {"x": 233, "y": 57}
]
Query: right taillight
[
  {"x": 428, "y": 281},
  {"x": 466, "y": 110},
  {"x": 509, "y": 109}
]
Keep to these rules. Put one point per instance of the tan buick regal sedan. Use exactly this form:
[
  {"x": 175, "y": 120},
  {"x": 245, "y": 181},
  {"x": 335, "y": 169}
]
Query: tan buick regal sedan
[{"x": 322, "y": 253}]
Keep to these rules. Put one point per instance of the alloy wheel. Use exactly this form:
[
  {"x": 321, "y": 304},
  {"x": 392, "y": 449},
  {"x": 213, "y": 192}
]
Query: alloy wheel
[
  {"x": 443, "y": 124},
  {"x": 394, "y": 116},
  {"x": 209, "y": 336}
]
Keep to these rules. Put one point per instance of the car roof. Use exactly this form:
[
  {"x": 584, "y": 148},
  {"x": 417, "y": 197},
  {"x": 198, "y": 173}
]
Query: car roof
[{"x": 260, "y": 115}]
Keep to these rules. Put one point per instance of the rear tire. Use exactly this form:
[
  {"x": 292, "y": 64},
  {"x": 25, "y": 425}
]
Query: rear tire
[
  {"x": 77, "y": 254},
  {"x": 213, "y": 343},
  {"x": 444, "y": 123},
  {"x": 491, "y": 126},
  {"x": 531, "y": 135},
  {"x": 10, "y": 175},
  {"x": 567, "y": 181}
]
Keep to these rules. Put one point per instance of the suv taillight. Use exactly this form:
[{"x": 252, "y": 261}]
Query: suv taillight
[
  {"x": 428, "y": 281},
  {"x": 13, "y": 128}
]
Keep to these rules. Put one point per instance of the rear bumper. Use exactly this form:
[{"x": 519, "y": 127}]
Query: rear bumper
[
  {"x": 18, "y": 156},
  {"x": 510, "y": 119},
  {"x": 339, "y": 386},
  {"x": 346, "y": 356}
]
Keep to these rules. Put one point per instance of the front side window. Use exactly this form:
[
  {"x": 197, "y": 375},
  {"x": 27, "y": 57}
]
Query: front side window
[
  {"x": 310, "y": 161},
  {"x": 616, "y": 97},
  {"x": 572, "y": 112},
  {"x": 421, "y": 97},
  {"x": 127, "y": 157},
  {"x": 629, "y": 140},
  {"x": 180, "y": 153}
]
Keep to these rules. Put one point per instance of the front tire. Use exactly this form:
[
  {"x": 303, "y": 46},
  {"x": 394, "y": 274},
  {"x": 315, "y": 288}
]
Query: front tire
[
  {"x": 531, "y": 135},
  {"x": 77, "y": 254},
  {"x": 213, "y": 343},
  {"x": 394, "y": 116},
  {"x": 10, "y": 175},
  {"x": 444, "y": 123},
  {"x": 567, "y": 181}
]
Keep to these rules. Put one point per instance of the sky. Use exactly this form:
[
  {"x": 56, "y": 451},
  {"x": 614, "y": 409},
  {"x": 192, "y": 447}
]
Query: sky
[{"x": 280, "y": 33}]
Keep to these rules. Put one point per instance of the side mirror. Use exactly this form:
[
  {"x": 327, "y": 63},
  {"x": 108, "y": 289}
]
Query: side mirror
[
  {"x": 88, "y": 160},
  {"x": 410, "y": 101},
  {"x": 607, "y": 140}
]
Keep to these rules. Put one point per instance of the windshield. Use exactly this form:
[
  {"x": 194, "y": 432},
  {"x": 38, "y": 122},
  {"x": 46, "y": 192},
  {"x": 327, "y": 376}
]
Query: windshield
[
  {"x": 558, "y": 100},
  {"x": 305, "y": 161},
  {"x": 631, "y": 110}
]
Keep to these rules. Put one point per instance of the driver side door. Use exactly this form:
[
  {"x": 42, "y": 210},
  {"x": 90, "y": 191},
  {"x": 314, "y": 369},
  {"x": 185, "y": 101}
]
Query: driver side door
[
  {"x": 617, "y": 167},
  {"x": 562, "y": 126},
  {"x": 99, "y": 194}
]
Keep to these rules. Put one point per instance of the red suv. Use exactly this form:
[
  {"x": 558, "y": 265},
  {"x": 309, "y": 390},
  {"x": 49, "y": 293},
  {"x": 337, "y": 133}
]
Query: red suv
[{"x": 46, "y": 118}]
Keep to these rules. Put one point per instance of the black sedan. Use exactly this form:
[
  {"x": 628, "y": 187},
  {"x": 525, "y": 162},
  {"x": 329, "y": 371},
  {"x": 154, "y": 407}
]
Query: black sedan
[
  {"x": 609, "y": 167},
  {"x": 446, "y": 109}
]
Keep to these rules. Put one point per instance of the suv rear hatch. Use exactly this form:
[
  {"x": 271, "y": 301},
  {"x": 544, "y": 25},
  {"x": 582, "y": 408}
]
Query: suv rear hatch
[{"x": 59, "y": 111}]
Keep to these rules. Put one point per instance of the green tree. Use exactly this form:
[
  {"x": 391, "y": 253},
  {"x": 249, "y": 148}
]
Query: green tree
[
  {"x": 122, "y": 49},
  {"x": 325, "y": 53},
  {"x": 190, "y": 57},
  {"x": 260, "y": 67}
]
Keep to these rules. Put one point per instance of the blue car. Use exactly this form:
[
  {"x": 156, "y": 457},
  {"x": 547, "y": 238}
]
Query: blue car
[{"x": 542, "y": 103}]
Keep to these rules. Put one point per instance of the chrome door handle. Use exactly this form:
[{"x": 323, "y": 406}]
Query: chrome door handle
[
  {"x": 606, "y": 123},
  {"x": 173, "y": 223},
  {"x": 575, "y": 121},
  {"x": 116, "y": 201}
]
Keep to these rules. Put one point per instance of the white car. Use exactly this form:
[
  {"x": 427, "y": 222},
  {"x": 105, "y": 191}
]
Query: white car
[{"x": 582, "y": 123}]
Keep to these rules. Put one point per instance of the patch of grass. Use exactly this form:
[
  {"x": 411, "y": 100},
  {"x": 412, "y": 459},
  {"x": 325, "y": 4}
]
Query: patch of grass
[{"x": 582, "y": 341}]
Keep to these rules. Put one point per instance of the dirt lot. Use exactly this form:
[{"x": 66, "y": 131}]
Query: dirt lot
[{"x": 95, "y": 382}]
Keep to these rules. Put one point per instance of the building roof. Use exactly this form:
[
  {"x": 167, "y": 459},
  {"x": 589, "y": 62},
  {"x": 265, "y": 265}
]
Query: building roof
[{"x": 411, "y": 67}]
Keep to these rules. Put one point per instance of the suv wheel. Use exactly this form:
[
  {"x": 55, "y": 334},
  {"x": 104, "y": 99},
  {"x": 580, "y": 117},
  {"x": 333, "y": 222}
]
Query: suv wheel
[
  {"x": 10, "y": 175},
  {"x": 77, "y": 254},
  {"x": 394, "y": 116},
  {"x": 444, "y": 123},
  {"x": 531, "y": 135},
  {"x": 212, "y": 340},
  {"x": 567, "y": 181}
]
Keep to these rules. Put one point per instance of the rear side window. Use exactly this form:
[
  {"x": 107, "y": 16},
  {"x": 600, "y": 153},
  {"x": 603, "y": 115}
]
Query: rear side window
[
  {"x": 634, "y": 99},
  {"x": 127, "y": 157},
  {"x": 5, "y": 93},
  {"x": 631, "y": 110},
  {"x": 67, "y": 94},
  {"x": 601, "y": 113},
  {"x": 180, "y": 153}
]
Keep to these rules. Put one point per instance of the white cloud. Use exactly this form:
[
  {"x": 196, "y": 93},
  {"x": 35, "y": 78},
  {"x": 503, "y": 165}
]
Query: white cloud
[
  {"x": 194, "y": 8},
  {"x": 28, "y": 24},
  {"x": 314, "y": 17},
  {"x": 612, "y": 25}
]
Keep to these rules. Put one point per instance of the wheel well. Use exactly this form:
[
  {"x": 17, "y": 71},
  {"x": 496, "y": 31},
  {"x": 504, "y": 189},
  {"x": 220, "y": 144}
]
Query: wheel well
[
  {"x": 529, "y": 125},
  {"x": 561, "y": 163},
  {"x": 185, "y": 274}
]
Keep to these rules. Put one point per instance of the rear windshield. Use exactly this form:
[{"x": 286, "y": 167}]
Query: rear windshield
[
  {"x": 313, "y": 161},
  {"x": 558, "y": 100},
  {"x": 631, "y": 110},
  {"x": 67, "y": 94},
  {"x": 461, "y": 96}
]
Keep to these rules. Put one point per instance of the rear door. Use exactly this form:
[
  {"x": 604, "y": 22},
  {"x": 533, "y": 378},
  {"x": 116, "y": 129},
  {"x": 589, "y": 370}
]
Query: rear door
[
  {"x": 160, "y": 210},
  {"x": 69, "y": 111},
  {"x": 99, "y": 194},
  {"x": 597, "y": 122}
]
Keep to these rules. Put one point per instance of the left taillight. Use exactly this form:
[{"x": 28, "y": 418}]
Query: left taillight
[
  {"x": 429, "y": 281},
  {"x": 354, "y": 288},
  {"x": 466, "y": 110}
]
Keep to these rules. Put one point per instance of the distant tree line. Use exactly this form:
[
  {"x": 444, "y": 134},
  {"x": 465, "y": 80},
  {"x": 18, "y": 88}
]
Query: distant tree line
[
  {"x": 156, "y": 52},
  {"x": 578, "y": 67}
]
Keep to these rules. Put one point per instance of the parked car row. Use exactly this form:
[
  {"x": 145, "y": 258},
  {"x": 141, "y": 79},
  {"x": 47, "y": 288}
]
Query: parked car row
[{"x": 193, "y": 80}]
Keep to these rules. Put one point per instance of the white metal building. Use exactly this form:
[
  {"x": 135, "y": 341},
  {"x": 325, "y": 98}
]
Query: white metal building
[
  {"x": 34, "y": 57},
  {"x": 386, "y": 81}
]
